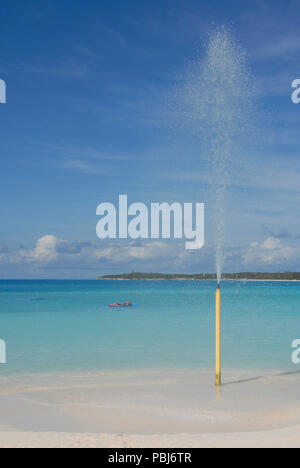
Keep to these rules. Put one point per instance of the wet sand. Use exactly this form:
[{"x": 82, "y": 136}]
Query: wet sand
[{"x": 150, "y": 408}]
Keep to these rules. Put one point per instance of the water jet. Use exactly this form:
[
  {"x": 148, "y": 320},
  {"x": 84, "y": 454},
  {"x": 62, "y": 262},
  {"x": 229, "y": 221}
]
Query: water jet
[{"x": 219, "y": 108}]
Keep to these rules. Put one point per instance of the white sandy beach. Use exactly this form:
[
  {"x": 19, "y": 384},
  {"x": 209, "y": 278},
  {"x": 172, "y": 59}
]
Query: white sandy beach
[
  {"x": 171, "y": 408},
  {"x": 283, "y": 438}
]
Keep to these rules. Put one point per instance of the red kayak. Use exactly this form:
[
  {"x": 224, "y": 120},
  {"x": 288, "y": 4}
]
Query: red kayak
[{"x": 120, "y": 305}]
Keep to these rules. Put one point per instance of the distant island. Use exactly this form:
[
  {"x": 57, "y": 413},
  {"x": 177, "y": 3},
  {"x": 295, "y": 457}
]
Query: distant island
[{"x": 205, "y": 276}]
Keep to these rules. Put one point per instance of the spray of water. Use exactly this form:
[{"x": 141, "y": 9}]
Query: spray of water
[{"x": 219, "y": 106}]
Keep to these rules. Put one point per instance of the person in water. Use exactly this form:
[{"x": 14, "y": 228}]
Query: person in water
[{"x": 126, "y": 304}]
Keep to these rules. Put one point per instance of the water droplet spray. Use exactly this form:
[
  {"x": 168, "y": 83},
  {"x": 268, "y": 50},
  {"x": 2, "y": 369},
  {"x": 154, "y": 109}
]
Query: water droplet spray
[{"x": 219, "y": 103}]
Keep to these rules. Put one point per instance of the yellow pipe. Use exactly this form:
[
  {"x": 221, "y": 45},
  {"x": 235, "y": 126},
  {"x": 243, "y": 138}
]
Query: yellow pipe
[{"x": 218, "y": 337}]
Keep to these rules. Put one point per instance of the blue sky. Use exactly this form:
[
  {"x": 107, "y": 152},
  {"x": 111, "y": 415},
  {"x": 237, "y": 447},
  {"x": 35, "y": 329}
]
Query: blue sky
[{"x": 87, "y": 119}]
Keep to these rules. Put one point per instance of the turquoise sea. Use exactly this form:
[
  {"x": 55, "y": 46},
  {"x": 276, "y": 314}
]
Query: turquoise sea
[{"x": 65, "y": 325}]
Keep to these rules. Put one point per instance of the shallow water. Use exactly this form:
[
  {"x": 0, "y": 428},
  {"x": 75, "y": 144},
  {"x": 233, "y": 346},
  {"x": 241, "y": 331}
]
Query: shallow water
[{"x": 65, "y": 325}]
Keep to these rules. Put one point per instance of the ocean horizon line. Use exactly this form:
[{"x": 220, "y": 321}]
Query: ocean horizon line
[{"x": 286, "y": 277}]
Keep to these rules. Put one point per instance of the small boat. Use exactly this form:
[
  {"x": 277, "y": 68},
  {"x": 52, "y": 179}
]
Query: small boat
[{"x": 126, "y": 304}]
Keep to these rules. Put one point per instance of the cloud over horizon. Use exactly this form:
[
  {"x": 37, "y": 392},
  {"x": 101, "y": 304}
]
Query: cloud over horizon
[{"x": 57, "y": 257}]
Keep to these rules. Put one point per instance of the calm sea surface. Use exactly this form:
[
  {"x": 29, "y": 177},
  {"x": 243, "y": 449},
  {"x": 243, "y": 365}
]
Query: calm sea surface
[{"x": 65, "y": 325}]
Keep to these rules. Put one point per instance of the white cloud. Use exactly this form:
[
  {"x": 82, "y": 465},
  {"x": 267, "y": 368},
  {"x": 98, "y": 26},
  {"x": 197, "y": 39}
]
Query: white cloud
[
  {"x": 44, "y": 251},
  {"x": 81, "y": 166},
  {"x": 142, "y": 251},
  {"x": 283, "y": 48},
  {"x": 54, "y": 257},
  {"x": 270, "y": 252},
  {"x": 51, "y": 253},
  {"x": 51, "y": 250}
]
